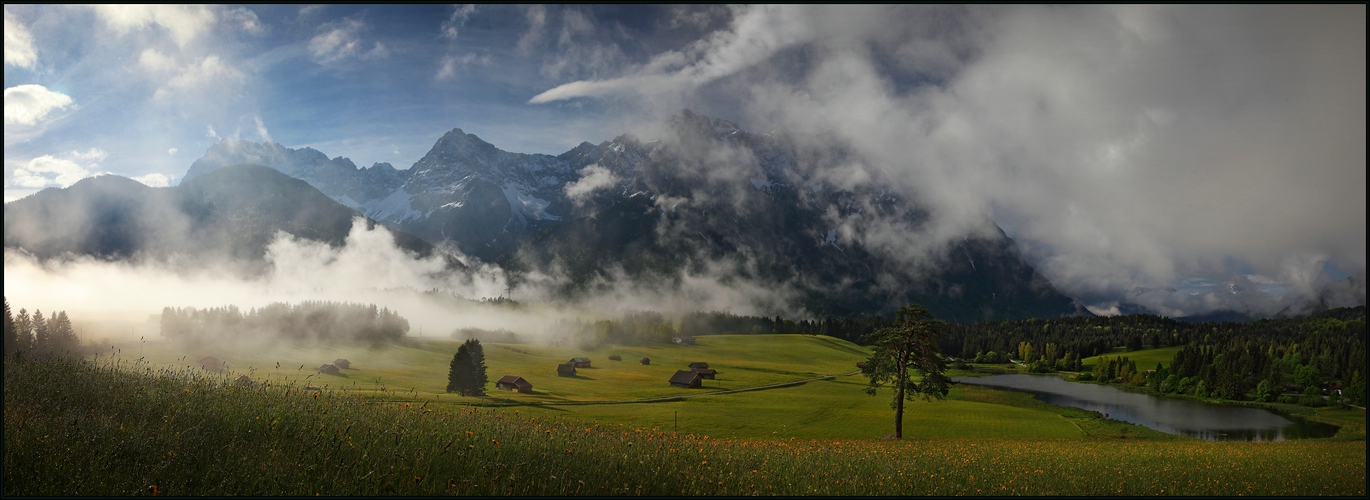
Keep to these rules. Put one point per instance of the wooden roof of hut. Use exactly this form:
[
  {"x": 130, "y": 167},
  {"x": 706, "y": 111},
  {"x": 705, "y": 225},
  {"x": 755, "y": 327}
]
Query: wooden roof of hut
[
  {"x": 699, "y": 364},
  {"x": 645, "y": 361},
  {"x": 342, "y": 363},
  {"x": 686, "y": 378},
  {"x": 566, "y": 369},
  {"x": 329, "y": 370},
  {"x": 513, "y": 380}
]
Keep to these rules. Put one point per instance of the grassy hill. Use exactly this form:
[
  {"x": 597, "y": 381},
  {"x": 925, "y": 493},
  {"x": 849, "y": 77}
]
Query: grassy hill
[{"x": 1146, "y": 358}]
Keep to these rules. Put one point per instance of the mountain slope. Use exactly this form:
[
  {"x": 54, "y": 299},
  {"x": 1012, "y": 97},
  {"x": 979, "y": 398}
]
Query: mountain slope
[
  {"x": 705, "y": 198},
  {"x": 230, "y": 213}
]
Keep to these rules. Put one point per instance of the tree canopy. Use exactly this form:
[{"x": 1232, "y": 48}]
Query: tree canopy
[{"x": 911, "y": 344}]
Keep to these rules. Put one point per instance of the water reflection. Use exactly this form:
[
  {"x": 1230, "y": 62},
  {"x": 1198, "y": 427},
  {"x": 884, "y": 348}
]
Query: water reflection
[{"x": 1176, "y": 416}]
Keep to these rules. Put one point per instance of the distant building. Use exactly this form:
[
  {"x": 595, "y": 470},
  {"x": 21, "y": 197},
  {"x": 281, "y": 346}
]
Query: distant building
[
  {"x": 683, "y": 340},
  {"x": 860, "y": 364},
  {"x": 699, "y": 364},
  {"x": 330, "y": 370},
  {"x": 342, "y": 364},
  {"x": 581, "y": 362},
  {"x": 687, "y": 379},
  {"x": 706, "y": 372},
  {"x": 210, "y": 363},
  {"x": 244, "y": 380},
  {"x": 644, "y": 361},
  {"x": 566, "y": 370},
  {"x": 513, "y": 383}
]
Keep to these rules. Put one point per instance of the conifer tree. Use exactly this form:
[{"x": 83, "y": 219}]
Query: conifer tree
[
  {"x": 11, "y": 336},
  {"x": 459, "y": 371},
  {"x": 41, "y": 343},
  {"x": 478, "y": 378},
  {"x": 23, "y": 332}
]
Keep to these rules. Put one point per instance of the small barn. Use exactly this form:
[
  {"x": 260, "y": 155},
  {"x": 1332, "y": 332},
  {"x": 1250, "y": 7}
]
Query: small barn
[
  {"x": 210, "y": 363},
  {"x": 330, "y": 370},
  {"x": 644, "y": 361},
  {"x": 861, "y": 364},
  {"x": 566, "y": 370},
  {"x": 698, "y": 364},
  {"x": 513, "y": 383},
  {"x": 687, "y": 379},
  {"x": 581, "y": 362},
  {"x": 706, "y": 372},
  {"x": 342, "y": 364}
]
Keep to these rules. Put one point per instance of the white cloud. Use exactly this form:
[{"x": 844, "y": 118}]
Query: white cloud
[
  {"x": 341, "y": 39},
  {"x": 451, "y": 26},
  {"x": 153, "y": 180},
  {"x": 171, "y": 151},
  {"x": 261, "y": 129},
  {"x": 28, "y": 104},
  {"x": 46, "y": 170},
  {"x": 209, "y": 132},
  {"x": 246, "y": 20},
  {"x": 450, "y": 64},
  {"x": 1120, "y": 146},
  {"x": 210, "y": 74},
  {"x": 156, "y": 62},
  {"x": 19, "y": 49},
  {"x": 183, "y": 22},
  {"x": 537, "y": 19},
  {"x": 756, "y": 34},
  {"x": 592, "y": 178}
]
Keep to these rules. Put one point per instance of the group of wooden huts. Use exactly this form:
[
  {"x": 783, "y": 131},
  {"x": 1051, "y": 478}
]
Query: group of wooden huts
[
  {"x": 694, "y": 377},
  {"x": 336, "y": 367}
]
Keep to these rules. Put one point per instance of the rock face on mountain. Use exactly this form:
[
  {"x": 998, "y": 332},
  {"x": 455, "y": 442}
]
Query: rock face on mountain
[
  {"x": 706, "y": 197},
  {"x": 230, "y": 214}
]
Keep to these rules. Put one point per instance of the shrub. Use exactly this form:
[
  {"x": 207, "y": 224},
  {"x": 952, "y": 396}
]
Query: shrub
[
  {"x": 615, "y": 357},
  {"x": 1085, "y": 377},
  {"x": 1289, "y": 400}
]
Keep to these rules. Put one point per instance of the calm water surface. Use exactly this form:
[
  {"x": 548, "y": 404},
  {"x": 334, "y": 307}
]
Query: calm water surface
[{"x": 1176, "y": 416}]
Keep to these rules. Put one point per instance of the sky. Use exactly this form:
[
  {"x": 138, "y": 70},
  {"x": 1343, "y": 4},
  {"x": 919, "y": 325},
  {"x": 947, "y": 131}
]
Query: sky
[{"x": 1127, "y": 149}]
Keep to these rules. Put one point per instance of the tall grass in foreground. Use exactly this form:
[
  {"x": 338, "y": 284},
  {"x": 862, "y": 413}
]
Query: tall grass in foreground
[{"x": 93, "y": 428}]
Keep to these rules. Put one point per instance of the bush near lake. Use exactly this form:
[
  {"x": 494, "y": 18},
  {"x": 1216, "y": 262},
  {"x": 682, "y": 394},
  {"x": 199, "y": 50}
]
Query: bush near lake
[{"x": 100, "y": 428}]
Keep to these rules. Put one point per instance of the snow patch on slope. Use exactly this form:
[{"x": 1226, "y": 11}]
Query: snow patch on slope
[
  {"x": 396, "y": 207},
  {"x": 530, "y": 206}
]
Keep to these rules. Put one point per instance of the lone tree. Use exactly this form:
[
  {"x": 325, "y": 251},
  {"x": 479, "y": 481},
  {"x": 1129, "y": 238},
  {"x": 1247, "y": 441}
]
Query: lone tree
[
  {"x": 910, "y": 344},
  {"x": 466, "y": 374}
]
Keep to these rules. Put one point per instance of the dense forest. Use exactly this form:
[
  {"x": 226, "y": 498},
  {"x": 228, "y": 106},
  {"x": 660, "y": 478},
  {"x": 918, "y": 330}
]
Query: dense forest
[
  {"x": 308, "y": 321},
  {"x": 34, "y": 334}
]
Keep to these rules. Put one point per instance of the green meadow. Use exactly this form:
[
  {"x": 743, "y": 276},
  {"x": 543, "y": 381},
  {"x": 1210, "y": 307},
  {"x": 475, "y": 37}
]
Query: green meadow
[
  {"x": 1146, "y": 359},
  {"x": 822, "y": 396},
  {"x": 98, "y": 427}
]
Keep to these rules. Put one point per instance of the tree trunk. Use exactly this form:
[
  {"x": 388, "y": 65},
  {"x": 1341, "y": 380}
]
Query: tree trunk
[{"x": 901, "y": 381}]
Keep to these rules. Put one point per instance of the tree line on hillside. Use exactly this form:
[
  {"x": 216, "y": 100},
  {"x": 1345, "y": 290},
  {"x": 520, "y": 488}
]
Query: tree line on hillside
[
  {"x": 853, "y": 329},
  {"x": 634, "y": 328},
  {"x": 34, "y": 334},
  {"x": 307, "y": 321}
]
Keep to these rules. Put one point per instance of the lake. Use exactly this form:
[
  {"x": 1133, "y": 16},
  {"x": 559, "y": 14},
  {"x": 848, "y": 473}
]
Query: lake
[{"x": 1209, "y": 421}]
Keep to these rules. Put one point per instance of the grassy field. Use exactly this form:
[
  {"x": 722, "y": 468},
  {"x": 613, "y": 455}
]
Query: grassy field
[
  {"x": 98, "y": 429},
  {"x": 1146, "y": 358},
  {"x": 415, "y": 371}
]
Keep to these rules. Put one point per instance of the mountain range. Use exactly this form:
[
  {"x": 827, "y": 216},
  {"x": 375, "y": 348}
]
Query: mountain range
[{"x": 704, "y": 198}]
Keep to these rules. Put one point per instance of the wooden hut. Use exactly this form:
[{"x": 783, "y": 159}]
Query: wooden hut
[
  {"x": 210, "y": 363},
  {"x": 706, "y": 372},
  {"x": 330, "y": 370},
  {"x": 244, "y": 380},
  {"x": 644, "y": 361},
  {"x": 566, "y": 370},
  {"x": 687, "y": 378},
  {"x": 581, "y": 362},
  {"x": 683, "y": 340},
  {"x": 342, "y": 364},
  {"x": 860, "y": 364},
  {"x": 698, "y": 364},
  {"x": 513, "y": 383}
]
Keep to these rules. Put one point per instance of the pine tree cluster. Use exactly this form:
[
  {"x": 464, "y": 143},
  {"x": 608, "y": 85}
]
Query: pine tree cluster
[{"x": 38, "y": 335}]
